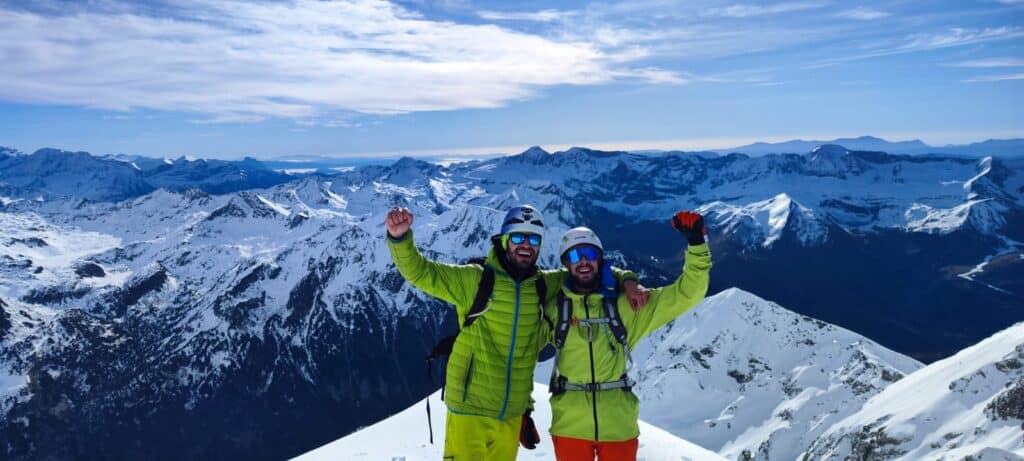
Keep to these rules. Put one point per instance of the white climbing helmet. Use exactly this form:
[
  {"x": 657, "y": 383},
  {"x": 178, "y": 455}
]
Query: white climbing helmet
[
  {"x": 578, "y": 236},
  {"x": 523, "y": 218}
]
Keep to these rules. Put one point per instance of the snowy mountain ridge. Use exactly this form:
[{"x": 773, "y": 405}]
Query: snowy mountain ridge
[
  {"x": 860, "y": 191},
  {"x": 950, "y": 410},
  {"x": 262, "y": 315}
]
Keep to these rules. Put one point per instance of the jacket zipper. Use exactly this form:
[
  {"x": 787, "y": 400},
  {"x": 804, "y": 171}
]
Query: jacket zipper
[
  {"x": 511, "y": 349},
  {"x": 593, "y": 376}
]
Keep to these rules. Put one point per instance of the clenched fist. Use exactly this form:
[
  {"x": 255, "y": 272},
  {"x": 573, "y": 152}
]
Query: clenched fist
[
  {"x": 691, "y": 225},
  {"x": 399, "y": 221}
]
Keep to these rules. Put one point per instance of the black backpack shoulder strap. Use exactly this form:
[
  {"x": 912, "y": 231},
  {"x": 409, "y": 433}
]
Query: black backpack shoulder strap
[
  {"x": 542, "y": 289},
  {"x": 614, "y": 320},
  {"x": 483, "y": 295},
  {"x": 564, "y": 320},
  {"x": 611, "y": 311},
  {"x": 542, "y": 298}
]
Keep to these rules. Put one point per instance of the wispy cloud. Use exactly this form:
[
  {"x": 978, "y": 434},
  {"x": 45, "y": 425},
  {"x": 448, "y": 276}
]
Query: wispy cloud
[
  {"x": 538, "y": 16},
  {"x": 927, "y": 41},
  {"x": 862, "y": 14},
  {"x": 991, "y": 62},
  {"x": 655, "y": 75},
  {"x": 996, "y": 78},
  {"x": 958, "y": 36},
  {"x": 741, "y": 10},
  {"x": 302, "y": 59}
]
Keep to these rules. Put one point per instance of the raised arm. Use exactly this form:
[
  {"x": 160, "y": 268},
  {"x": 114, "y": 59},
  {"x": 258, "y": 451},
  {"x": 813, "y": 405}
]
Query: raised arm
[
  {"x": 669, "y": 302},
  {"x": 455, "y": 284}
]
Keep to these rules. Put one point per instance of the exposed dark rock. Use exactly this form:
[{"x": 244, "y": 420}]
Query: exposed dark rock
[
  {"x": 229, "y": 210},
  {"x": 700, "y": 359},
  {"x": 1008, "y": 403},
  {"x": 739, "y": 376},
  {"x": 874, "y": 444},
  {"x": 31, "y": 242},
  {"x": 891, "y": 375},
  {"x": 89, "y": 269},
  {"x": 55, "y": 294},
  {"x": 5, "y": 320}
]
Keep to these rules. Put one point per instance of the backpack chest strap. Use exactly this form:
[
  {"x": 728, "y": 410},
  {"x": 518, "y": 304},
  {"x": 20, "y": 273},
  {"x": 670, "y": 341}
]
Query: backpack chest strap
[{"x": 562, "y": 384}]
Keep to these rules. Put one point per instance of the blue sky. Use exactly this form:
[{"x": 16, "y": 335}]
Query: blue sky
[{"x": 300, "y": 77}]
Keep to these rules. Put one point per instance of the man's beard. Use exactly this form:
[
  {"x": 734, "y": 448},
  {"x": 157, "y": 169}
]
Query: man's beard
[
  {"x": 589, "y": 285},
  {"x": 523, "y": 265}
]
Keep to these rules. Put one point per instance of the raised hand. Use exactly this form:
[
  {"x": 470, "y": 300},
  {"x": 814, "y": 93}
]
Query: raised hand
[
  {"x": 399, "y": 221},
  {"x": 691, "y": 225}
]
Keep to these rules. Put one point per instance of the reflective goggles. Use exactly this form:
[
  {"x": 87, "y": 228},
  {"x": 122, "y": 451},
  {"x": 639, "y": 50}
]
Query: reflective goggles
[
  {"x": 577, "y": 254},
  {"x": 517, "y": 238}
]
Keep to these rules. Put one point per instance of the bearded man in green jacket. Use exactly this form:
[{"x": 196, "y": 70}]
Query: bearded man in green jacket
[
  {"x": 489, "y": 376},
  {"x": 594, "y": 412}
]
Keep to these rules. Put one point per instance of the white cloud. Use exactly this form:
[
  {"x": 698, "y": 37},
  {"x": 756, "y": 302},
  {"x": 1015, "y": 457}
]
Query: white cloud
[
  {"x": 655, "y": 75},
  {"x": 538, "y": 16},
  {"x": 958, "y": 36},
  {"x": 992, "y": 62},
  {"x": 996, "y": 78},
  {"x": 862, "y": 14},
  {"x": 302, "y": 59},
  {"x": 919, "y": 42},
  {"x": 741, "y": 10}
]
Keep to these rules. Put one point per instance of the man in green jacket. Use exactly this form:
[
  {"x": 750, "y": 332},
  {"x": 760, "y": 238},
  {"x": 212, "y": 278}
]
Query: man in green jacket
[
  {"x": 594, "y": 411},
  {"x": 489, "y": 376}
]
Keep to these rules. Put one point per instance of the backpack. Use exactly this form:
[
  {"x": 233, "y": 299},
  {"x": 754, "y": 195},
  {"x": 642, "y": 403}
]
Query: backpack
[{"x": 559, "y": 384}]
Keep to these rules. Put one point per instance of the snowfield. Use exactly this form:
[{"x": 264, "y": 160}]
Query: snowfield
[{"x": 405, "y": 437}]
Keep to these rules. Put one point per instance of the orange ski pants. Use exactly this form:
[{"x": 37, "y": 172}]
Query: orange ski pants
[{"x": 570, "y": 449}]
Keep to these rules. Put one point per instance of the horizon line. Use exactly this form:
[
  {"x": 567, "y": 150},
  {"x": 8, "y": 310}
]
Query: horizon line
[{"x": 709, "y": 144}]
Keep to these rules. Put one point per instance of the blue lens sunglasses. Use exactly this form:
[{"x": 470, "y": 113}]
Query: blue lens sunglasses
[
  {"x": 518, "y": 238},
  {"x": 590, "y": 253}
]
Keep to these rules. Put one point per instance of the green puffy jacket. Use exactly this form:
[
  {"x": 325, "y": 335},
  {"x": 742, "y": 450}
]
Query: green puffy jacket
[
  {"x": 490, "y": 370},
  {"x": 612, "y": 414}
]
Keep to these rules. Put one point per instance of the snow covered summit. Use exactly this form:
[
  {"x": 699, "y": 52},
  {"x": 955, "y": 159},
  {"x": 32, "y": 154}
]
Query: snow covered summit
[{"x": 404, "y": 436}]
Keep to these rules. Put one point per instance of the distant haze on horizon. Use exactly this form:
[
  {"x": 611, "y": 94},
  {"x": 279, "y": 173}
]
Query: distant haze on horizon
[{"x": 366, "y": 78}]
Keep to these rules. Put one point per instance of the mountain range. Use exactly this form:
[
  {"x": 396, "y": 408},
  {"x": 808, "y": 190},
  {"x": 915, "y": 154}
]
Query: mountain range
[
  {"x": 249, "y": 320},
  {"x": 742, "y": 378},
  {"x": 992, "y": 147}
]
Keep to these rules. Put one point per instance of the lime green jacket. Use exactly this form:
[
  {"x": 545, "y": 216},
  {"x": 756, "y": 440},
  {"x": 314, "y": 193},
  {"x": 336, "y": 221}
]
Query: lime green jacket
[
  {"x": 490, "y": 370},
  {"x": 611, "y": 415}
]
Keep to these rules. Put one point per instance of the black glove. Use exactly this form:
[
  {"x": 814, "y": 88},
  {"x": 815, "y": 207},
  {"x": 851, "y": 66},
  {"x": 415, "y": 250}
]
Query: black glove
[
  {"x": 691, "y": 225},
  {"x": 528, "y": 436}
]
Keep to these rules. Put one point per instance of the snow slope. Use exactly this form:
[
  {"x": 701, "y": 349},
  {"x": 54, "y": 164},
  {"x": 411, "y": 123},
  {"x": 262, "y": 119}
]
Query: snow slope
[
  {"x": 952, "y": 409},
  {"x": 404, "y": 436}
]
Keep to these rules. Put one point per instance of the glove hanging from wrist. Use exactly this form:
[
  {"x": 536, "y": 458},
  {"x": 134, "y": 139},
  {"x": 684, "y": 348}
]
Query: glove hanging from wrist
[{"x": 528, "y": 435}]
